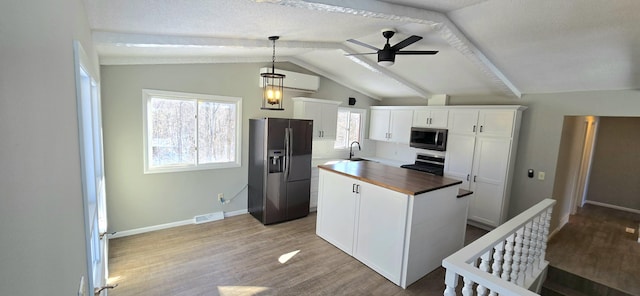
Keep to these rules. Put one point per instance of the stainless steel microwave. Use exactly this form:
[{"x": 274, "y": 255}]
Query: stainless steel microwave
[{"x": 428, "y": 138}]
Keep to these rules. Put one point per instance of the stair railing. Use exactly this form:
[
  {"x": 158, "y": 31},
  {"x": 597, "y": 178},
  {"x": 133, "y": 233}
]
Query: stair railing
[{"x": 510, "y": 260}]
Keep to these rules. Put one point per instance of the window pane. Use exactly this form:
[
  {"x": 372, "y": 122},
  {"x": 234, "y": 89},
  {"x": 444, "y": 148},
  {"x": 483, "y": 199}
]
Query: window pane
[
  {"x": 172, "y": 132},
  {"x": 342, "y": 131},
  {"x": 354, "y": 127},
  {"x": 216, "y": 132}
]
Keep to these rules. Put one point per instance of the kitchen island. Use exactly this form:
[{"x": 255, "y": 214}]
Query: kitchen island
[{"x": 399, "y": 222}]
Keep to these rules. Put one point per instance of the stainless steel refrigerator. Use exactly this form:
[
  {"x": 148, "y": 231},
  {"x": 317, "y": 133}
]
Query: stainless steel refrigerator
[{"x": 279, "y": 168}]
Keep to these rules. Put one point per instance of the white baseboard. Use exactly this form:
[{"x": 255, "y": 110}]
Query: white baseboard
[
  {"x": 595, "y": 203},
  {"x": 169, "y": 225},
  {"x": 564, "y": 220}
]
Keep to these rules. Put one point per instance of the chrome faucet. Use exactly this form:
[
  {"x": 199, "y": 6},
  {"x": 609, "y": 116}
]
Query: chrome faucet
[{"x": 351, "y": 148}]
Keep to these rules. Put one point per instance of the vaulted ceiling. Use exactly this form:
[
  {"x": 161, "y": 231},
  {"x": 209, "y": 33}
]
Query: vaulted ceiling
[{"x": 486, "y": 47}]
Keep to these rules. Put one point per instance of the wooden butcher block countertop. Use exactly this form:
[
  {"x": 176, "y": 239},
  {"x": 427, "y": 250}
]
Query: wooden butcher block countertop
[{"x": 402, "y": 180}]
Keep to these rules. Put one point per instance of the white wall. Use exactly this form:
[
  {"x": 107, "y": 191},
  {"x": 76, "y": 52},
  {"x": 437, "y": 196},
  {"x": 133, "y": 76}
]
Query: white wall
[
  {"x": 42, "y": 238},
  {"x": 541, "y": 131},
  {"x": 136, "y": 200}
]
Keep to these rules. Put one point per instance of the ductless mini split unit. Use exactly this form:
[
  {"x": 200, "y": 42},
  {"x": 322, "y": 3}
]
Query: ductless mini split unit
[{"x": 295, "y": 81}]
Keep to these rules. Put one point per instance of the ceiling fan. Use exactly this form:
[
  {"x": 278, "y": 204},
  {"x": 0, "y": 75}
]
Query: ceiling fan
[{"x": 387, "y": 55}]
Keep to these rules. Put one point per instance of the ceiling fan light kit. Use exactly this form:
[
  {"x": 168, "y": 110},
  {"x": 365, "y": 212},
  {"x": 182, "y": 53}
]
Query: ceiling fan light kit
[
  {"x": 387, "y": 55},
  {"x": 272, "y": 94}
]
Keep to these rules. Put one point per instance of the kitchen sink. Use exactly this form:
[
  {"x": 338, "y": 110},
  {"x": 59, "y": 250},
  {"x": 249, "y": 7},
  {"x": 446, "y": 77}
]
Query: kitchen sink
[{"x": 356, "y": 159}]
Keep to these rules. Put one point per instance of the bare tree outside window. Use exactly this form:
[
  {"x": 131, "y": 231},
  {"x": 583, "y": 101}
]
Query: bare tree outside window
[
  {"x": 349, "y": 127},
  {"x": 190, "y": 131}
]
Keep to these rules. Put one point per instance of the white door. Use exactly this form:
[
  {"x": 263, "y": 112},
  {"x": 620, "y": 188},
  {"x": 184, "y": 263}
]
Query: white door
[
  {"x": 488, "y": 181},
  {"x": 91, "y": 156},
  {"x": 380, "y": 237},
  {"x": 379, "y": 125},
  {"x": 400, "y": 129},
  {"x": 337, "y": 206},
  {"x": 460, "y": 158},
  {"x": 463, "y": 121},
  {"x": 498, "y": 123}
]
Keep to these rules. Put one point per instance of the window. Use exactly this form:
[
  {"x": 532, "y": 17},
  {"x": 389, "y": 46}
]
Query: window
[
  {"x": 350, "y": 127},
  {"x": 184, "y": 131}
]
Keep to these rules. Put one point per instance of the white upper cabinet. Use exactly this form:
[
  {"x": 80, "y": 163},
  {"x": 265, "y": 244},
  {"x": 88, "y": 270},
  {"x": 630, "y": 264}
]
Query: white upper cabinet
[
  {"x": 324, "y": 114},
  {"x": 497, "y": 123},
  {"x": 390, "y": 124},
  {"x": 427, "y": 117}
]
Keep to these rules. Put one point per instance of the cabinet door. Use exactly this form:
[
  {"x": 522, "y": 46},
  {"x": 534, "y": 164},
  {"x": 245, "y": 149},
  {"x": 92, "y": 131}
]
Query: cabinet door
[
  {"x": 400, "y": 127},
  {"x": 489, "y": 176},
  {"x": 438, "y": 118},
  {"x": 498, "y": 123},
  {"x": 379, "y": 124},
  {"x": 337, "y": 206},
  {"x": 463, "y": 121},
  {"x": 380, "y": 236},
  {"x": 313, "y": 111},
  {"x": 421, "y": 118},
  {"x": 459, "y": 158},
  {"x": 329, "y": 121}
]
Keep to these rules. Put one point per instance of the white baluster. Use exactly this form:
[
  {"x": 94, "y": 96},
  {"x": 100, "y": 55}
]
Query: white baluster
[
  {"x": 545, "y": 234},
  {"x": 508, "y": 256},
  {"x": 517, "y": 251},
  {"x": 451, "y": 281},
  {"x": 485, "y": 260},
  {"x": 525, "y": 252},
  {"x": 540, "y": 239},
  {"x": 497, "y": 262},
  {"x": 467, "y": 289},
  {"x": 533, "y": 246}
]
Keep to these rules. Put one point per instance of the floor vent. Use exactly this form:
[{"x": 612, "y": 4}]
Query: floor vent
[{"x": 208, "y": 217}]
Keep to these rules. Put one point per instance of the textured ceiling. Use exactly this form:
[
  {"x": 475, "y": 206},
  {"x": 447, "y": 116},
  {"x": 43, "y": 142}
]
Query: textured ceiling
[{"x": 493, "y": 47}]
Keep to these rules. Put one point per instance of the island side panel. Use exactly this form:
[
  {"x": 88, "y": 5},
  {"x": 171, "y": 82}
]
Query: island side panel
[{"x": 436, "y": 229}]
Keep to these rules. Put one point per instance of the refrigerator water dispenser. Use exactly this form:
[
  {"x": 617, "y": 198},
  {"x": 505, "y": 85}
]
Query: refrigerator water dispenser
[{"x": 276, "y": 161}]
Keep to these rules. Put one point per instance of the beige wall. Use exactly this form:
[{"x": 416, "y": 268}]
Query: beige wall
[
  {"x": 42, "y": 233},
  {"x": 616, "y": 163},
  {"x": 136, "y": 200},
  {"x": 567, "y": 170}
]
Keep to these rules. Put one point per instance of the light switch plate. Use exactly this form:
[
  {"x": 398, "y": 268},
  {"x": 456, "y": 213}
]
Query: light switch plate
[{"x": 540, "y": 175}]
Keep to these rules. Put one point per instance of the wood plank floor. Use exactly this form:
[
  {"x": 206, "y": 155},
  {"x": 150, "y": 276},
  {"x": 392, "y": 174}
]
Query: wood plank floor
[
  {"x": 239, "y": 256},
  {"x": 594, "y": 245}
]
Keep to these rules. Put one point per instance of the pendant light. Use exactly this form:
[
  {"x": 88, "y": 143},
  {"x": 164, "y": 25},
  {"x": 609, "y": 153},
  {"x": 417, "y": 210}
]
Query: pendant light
[{"x": 272, "y": 94}]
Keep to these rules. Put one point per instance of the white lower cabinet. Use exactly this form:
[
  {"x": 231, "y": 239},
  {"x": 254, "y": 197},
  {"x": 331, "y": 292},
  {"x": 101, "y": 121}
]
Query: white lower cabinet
[{"x": 402, "y": 237}]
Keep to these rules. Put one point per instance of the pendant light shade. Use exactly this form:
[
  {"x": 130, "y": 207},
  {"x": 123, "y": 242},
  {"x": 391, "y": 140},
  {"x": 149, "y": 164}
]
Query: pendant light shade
[{"x": 273, "y": 91}]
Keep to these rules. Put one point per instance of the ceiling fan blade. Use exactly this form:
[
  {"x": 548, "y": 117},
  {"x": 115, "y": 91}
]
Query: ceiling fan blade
[
  {"x": 360, "y": 53},
  {"x": 417, "y": 52},
  {"x": 404, "y": 43},
  {"x": 363, "y": 44}
]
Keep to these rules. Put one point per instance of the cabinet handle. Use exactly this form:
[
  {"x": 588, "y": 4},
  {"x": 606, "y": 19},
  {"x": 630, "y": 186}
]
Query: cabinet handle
[
  {"x": 357, "y": 188},
  {"x": 474, "y": 128},
  {"x": 474, "y": 178},
  {"x": 481, "y": 128},
  {"x": 353, "y": 188},
  {"x": 467, "y": 177},
  {"x": 430, "y": 120}
]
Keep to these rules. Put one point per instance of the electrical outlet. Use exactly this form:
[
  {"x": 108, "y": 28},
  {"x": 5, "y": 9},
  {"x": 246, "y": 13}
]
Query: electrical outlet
[
  {"x": 541, "y": 176},
  {"x": 221, "y": 197}
]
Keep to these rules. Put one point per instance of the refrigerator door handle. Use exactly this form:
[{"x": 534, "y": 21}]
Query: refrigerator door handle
[{"x": 288, "y": 136}]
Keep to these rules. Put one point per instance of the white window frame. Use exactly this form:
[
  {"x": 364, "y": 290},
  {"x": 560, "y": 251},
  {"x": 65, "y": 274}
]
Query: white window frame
[
  {"x": 363, "y": 119},
  {"x": 148, "y": 94}
]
